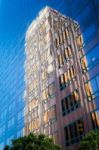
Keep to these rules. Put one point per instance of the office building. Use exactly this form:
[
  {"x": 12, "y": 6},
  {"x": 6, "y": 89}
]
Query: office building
[
  {"x": 12, "y": 57},
  {"x": 56, "y": 79}
]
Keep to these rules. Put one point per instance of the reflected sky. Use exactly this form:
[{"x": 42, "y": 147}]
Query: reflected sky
[{"x": 15, "y": 17}]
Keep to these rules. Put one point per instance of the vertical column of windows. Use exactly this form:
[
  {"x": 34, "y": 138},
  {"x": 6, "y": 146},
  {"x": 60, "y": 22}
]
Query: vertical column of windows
[
  {"x": 84, "y": 64},
  {"x": 48, "y": 92},
  {"x": 61, "y": 37},
  {"x": 60, "y": 60},
  {"x": 50, "y": 115},
  {"x": 34, "y": 125},
  {"x": 65, "y": 34},
  {"x": 33, "y": 117},
  {"x": 92, "y": 88},
  {"x": 94, "y": 119},
  {"x": 70, "y": 103},
  {"x": 79, "y": 41},
  {"x": 66, "y": 78},
  {"x": 74, "y": 132},
  {"x": 65, "y": 56}
]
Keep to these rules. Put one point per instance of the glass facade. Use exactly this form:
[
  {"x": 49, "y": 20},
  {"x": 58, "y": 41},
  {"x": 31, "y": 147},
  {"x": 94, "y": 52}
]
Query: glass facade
[
  {"x": 87, "y": 14},
  {"x": 12, "y": 57},
  {"x": 11, "y": 97},
  {"x": 74, "y": 132}
]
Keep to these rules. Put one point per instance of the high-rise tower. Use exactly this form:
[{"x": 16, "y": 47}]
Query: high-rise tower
[{"x": 56, "y": 101}]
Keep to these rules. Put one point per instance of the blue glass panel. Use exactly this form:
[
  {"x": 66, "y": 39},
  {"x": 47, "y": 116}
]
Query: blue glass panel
[
  {"x": 84, "y": 13},
  {"x": 88, "y": 59},
  {"x": 88, "y": 33},
  {"x": 94, "y": 85},
  {"x": 93, "y": 57},
  {"x": 97, "y": 79},
  {"x": 95, "y": 53},
  {"x": 15, "y": 18}
]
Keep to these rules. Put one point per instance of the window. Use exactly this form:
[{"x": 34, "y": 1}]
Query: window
[
  {"x": 70, "y": 103},
  {"x": 95, "y": 119},
  {"x": 34, "y": 112},
  {"x": 33, "y": 104},
  {"x": 88, "y": 91},
  {"x": 57, "y": 42},
  {"x": 60, "y": 60},
  {"x": 51, "y": 89},
  {"x": 34, "y": 125},
  {"x": 67, "y": 53},
  {"x": 61, "y": 37},
  {"x": 11, "y": 122},
  {"x": 49, "y": 92},
  {"x": 71, "y": 72},
  {"x": 64, "y": 57},
  {"x": 93, "y": 57},
  {"x": 65, "y": 34},
  {"x": 84, "y": 64},
  {"x": 66, "y": 78},
  {"x": 20, "y": 115},
  {"x": 50, "y": 115},
  {"x": 45, "y": 94},
  {"x": 74, "y": 132},
  {"x": 62, "y": 81},
  {"x": 79, "y": 41},
  {"x": 92, "y": 88}
]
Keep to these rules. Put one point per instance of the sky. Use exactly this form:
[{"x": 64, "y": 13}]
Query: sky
[
  {"x": 17, "y": 14},
  {"x": 15, "y": 18}
]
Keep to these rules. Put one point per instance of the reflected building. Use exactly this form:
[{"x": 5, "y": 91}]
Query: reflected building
[
  {"x": 55, "y": 76},
  {"x": 87, "y": 14},
  {"x": 12, "y": 57}
]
